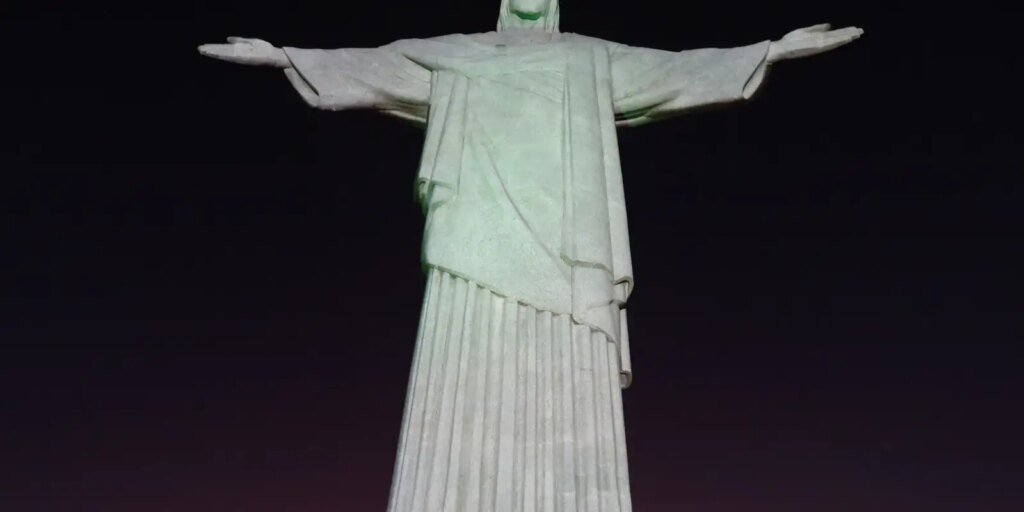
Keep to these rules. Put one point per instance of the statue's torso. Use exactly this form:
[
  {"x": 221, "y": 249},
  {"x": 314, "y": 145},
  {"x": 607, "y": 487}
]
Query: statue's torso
[{"x": 516, "y": 155}]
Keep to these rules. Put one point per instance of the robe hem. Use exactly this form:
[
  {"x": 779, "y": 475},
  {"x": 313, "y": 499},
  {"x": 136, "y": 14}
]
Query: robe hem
[{"x": 625, "y": 373}]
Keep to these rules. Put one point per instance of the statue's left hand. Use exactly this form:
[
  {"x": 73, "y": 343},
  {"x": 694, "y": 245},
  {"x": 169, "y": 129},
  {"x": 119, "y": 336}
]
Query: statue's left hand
[
  {"x": 811, "y": 40},
  {"x": 242, "y": 50}
]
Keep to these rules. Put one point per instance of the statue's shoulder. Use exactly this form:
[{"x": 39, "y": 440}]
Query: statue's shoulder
[
  {"x": 445, "y": 40},
  {"x": 459, "y": 39},
  {"x": 582, "y": 39},
  {"x": 488, "y": 38}
]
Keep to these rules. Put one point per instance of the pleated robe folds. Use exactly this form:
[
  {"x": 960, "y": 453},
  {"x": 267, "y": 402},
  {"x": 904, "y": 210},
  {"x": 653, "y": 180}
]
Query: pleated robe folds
[{"x": 514, "y": 401}]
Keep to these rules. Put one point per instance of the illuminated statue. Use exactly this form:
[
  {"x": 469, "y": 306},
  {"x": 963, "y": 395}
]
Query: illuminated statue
[{"x": 515, "y": 397}]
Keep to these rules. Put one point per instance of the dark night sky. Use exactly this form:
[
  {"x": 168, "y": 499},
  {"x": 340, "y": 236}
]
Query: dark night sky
[{"x": 209, "y": 292}]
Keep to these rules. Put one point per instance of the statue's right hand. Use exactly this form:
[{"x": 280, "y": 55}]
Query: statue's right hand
[{"x": 241, "y": 50}]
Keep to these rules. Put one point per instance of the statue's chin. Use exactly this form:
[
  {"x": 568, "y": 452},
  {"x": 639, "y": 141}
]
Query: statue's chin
[{"x": 529, "y": 16}]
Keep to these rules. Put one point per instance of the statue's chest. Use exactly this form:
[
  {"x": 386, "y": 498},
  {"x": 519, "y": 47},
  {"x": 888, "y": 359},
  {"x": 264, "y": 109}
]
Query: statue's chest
[{"x": 498, "y": 58}]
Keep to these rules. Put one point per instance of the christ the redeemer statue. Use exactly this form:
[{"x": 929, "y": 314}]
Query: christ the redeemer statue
[{"x": 514, "y": 399}]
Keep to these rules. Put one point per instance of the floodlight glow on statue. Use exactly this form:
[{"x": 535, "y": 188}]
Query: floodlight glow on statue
[{"x": 514, "y": 399}]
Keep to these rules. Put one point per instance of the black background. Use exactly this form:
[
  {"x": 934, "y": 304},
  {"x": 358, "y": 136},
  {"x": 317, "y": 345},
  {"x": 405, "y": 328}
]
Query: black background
[{"x": 209, "y": 291}]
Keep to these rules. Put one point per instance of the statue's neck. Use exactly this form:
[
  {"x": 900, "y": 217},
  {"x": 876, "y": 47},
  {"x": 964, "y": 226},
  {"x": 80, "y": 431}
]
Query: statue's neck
[{"x": 527, "y": 35}]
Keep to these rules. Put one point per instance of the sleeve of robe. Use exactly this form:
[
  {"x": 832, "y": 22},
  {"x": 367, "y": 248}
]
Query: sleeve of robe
[
  {"x": 649, "y": 85},
  {"x": 372, "y": 78}
]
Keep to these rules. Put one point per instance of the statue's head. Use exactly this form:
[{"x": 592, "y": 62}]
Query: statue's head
[{"x": 539, "y": 15}]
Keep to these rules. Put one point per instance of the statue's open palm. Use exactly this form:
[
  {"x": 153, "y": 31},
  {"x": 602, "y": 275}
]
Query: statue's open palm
[
  {"x": 242, "y": 50},
  {"x": 810, "y": 41}
]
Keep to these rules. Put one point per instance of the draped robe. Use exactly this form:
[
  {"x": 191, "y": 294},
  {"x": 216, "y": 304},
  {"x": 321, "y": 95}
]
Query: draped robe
[
  {"x": 520, "y": 177},
  {"x": 514, "y": 401}
]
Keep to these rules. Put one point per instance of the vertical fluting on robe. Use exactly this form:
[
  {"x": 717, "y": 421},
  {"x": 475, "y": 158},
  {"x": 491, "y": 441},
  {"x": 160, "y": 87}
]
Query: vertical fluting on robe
[{"x": 509, "y": 409}]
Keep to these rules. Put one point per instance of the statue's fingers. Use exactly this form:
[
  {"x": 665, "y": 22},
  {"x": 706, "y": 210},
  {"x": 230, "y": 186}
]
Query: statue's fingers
[
  {"x": 835, "y": 41},
  {"x": 248, "y": 41},
  {"x": 849, "y": 30},
  {"x": 846, "y": 35},
  {"x": 217, "y": 51},
  {"x": 821, "y": 27},
  {"x": 856, "y": 31},
  {"x": 229, "y": 53}
]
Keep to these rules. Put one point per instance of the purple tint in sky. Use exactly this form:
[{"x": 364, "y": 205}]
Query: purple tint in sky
[{"x": 828, "y": 304}]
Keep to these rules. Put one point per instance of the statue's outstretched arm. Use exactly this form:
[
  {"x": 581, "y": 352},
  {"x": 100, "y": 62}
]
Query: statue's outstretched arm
[
  {"x": 380, "y": 78},
  {"x": 649, "y": 84},
  {"x": 252, "y": 52}
]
